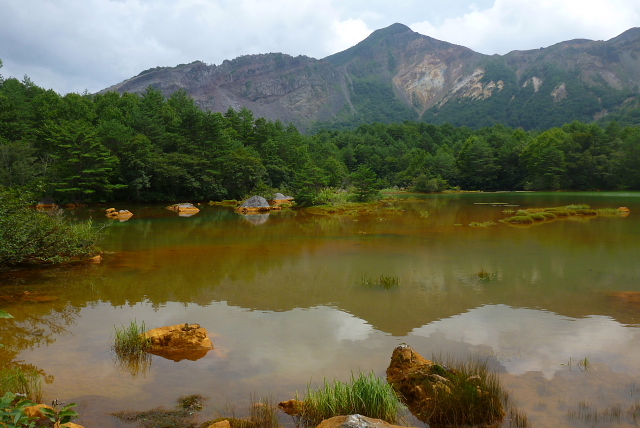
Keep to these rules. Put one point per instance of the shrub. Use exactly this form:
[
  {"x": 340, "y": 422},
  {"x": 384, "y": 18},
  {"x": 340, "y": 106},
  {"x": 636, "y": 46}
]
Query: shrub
[
  {"x": 29, "y": 236},
  {"x": 537, "y": 217},
  {"x": 368, "y": 395},
  {"x": 12, "y": 412}
]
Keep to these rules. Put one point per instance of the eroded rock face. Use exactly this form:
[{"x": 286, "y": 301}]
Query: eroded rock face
[{"x": 180, "y": 342}]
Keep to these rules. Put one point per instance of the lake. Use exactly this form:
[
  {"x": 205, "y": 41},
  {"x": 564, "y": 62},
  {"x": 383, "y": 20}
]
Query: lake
[{"x": 284, "y": 300}]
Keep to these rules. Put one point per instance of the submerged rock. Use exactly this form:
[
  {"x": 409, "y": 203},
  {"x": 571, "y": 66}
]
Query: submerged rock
[{"x": 180, "y": 342}]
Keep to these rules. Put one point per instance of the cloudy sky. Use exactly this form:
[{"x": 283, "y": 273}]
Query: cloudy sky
[{"x": 73, "y": 45}]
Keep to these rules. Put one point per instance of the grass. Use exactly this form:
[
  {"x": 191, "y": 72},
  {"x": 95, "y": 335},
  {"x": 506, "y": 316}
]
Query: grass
[
  {"x": 22, "y": 380},
  {"x": 424, "y": 214},
  {"x": 387, "y": 282},
  {"x": 532, "y": 215},
  {"x": 465, "y": 393},
  {"x": 367, "y": 395},
  {"x": 485, "y": 224},
  {"x": 131, "y": 348}
]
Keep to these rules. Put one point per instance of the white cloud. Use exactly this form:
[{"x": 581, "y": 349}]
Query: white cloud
[
  {"x": 76, "y": 44},
  {"x": 519, "y": 25}
]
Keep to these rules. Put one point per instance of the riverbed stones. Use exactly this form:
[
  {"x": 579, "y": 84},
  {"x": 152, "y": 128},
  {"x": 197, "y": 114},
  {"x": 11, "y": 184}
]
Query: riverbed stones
[
  {"x": 180, "y": 342},
  {"x": 185, "y": 209}
]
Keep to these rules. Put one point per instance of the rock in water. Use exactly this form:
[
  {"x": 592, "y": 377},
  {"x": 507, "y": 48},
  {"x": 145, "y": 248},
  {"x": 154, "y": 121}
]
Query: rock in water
[
  {"x": 355, "y": 421},
  {"x": 180, "y": 342}
]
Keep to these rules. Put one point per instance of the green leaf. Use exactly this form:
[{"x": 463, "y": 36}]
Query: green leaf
[{"x": 4, "y": 314}]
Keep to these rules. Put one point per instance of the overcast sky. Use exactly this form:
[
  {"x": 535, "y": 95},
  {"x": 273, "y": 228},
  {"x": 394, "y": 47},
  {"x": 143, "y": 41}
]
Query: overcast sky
[{"x": 73, "y": 45}]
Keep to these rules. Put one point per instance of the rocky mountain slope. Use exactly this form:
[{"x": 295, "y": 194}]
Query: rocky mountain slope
[{"x": 397, "y": 74}]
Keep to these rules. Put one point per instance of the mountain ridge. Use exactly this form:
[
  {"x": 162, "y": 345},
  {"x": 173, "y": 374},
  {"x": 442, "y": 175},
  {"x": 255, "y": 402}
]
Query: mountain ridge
[{"x": 397, "y": 74}]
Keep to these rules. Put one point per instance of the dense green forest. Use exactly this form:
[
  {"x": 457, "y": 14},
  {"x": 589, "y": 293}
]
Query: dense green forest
[{"x": 112, "y": 147}]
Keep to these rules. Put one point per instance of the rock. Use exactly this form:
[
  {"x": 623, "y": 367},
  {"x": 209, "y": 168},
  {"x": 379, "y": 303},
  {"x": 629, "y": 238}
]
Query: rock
[
  {"x": 35, "y": 411},
  {"x": 291, "y": 407},
  {"x": 46, "y": 203},
  {"x": 256, "y": 219},
  {"x": 220, "y": 424},
  {"x": 122, "y": 215},
  {"x": 630, "y": 297},
  {"x": 185, "y": 209},
  {"x": 254, "y": 204},
  {"x": 96, "y": 259},
  {"x": 279, "y": 197},
  {"x": 180, "y": 342},
  {"x": 355, "y": 421}
]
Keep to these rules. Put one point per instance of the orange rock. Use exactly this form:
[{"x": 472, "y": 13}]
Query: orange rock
[
  {"x": 624, "y": 209},
  {"x": 179, "y": 342},
  {"x": 34, "y": 411},
  {"x": 291, "y": 407},
  {"x": 220, "y": 424}
]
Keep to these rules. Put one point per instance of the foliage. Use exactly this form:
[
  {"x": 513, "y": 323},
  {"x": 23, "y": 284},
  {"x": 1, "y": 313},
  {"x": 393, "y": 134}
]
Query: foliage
[
  {"x": 12, "y": 412},
  {"x": 151, "y": 147},
  {"x": 62, "y": 416},
  {"x": 367, "y": 395},
  {"x": 30, "y": 236}
]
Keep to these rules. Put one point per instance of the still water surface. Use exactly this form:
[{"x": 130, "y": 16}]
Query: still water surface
[{"x": 286, "y": 306}]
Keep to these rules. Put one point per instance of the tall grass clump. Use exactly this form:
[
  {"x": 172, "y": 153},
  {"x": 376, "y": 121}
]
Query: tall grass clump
[
  {"x": 22, "y": 380},
  {"x": 465, "y": 393},
  {"x": 131, "y": 347},
  {"x": 367, "y": 395}
]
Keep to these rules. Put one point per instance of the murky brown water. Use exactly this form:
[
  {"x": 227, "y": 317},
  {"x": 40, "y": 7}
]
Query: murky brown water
[{"x": 285, "y": 302}]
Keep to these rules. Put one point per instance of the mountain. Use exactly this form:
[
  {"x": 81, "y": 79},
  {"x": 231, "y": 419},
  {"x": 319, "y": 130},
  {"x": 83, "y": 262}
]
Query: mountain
[{"x": 396, "y": 74}]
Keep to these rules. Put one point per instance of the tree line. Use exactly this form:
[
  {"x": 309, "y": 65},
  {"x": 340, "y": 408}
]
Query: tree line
[{"x": 148, "y": 147}]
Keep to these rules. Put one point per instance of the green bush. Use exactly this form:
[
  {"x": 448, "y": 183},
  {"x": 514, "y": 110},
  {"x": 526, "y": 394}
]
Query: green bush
[
  {"x": 28, "y": 236},
  {"x": 12, "y": 412},
  {"x": 519, "y": 219}
]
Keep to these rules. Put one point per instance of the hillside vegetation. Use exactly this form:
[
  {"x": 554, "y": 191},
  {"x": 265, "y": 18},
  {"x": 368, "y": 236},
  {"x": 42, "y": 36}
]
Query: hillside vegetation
[{"x": 150, "y": 148}]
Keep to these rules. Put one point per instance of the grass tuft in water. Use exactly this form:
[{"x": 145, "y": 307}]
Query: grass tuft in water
[
  {"x": 367, "y": 395},
  {"x": 181, "y": 417},
  {"x": 22, "y": 380},
  {"x": 387, "y": 282},
  {"x": 131, "y": 348},
  {"x": 484, "y": 224},
  {"x": 466, "y": 393}
]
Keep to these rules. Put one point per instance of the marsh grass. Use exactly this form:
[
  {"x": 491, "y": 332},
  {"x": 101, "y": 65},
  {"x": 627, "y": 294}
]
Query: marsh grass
[
  {"x": 532, "y": 215},
  {"x": 367, "y": 395},
  {"x": 485, "y": 224},
  {"x": 386, "y": 282},
  {"x": 466, "y": 393},
  {"x": 424, "y": 214},
  {"x": 22, "y": 380},
  {"x": 483, "y": 275},
  {"x": 594, "y": 416},
  {"x": 131, "y": 348},
  {"x": 610, "y": 212}
]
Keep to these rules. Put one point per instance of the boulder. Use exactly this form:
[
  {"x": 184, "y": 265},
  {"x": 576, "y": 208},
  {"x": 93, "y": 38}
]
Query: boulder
[
  {"x": 46, "y": 203},
  {"x": 180, "y": 342},
  {"x": 254, "y": 204},
  {"x": 355, "y": 421}
]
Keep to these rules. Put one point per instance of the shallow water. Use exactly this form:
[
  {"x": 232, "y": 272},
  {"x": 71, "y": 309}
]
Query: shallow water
[{"x": 284, "y": 300}]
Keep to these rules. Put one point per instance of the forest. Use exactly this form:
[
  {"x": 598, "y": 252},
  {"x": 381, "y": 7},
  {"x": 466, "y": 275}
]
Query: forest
[{"x": 149, "y": 148}]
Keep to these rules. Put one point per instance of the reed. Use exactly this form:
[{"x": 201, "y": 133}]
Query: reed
[
  {"x": 484, "y": 224},
  {"x": 367, "y": 395},
  {"x": 22, "y": 380}
]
